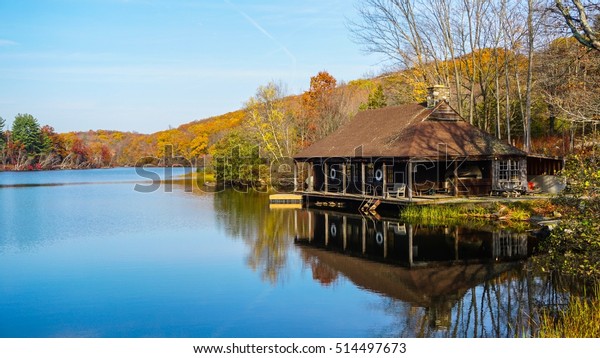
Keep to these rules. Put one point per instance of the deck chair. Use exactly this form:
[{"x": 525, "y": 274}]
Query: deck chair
[{"x": 399, "y": 191}]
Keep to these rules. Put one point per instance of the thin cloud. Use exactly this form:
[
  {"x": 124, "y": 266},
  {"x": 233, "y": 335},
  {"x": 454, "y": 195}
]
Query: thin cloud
[
  {"x": 4, "y": 42},
  {"x": 137, "y": 73},
  {"x": 256, "y": 25}
]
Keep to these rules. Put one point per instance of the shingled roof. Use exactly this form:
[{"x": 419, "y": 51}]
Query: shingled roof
[{"x": 409, "y": 131}]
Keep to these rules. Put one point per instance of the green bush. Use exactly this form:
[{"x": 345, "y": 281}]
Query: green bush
[{"x": 574, "y": 246}]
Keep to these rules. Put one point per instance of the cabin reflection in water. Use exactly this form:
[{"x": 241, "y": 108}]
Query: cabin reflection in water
[
  {"x": 404, "y": 244},
  {"x": 427, "y": 267}
]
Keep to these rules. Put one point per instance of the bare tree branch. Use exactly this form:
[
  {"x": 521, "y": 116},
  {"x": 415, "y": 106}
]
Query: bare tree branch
[{"x": 577, "y": 19}]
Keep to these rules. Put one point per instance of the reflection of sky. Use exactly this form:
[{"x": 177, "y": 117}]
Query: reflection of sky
[
  {"x": 87, "y": 175},
  {"x": 104, "y": 260}
]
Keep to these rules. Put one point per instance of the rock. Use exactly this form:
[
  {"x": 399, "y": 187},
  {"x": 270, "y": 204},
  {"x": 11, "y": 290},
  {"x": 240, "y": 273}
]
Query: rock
[{"x": 543, "y": 233}]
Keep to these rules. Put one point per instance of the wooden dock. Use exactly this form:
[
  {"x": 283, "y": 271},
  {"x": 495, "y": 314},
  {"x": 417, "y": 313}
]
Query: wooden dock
[
  {"x": 393, "y": 205},
  {"x": 285, "y": 199}
]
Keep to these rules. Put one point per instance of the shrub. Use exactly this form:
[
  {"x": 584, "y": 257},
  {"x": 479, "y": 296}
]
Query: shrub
[{"x": 574, "y": 246}]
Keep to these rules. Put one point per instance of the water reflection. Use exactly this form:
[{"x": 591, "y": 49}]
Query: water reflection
[
  {"x": 113, "y": 262},
  {"x": 432, "y": 281},
  {"x": 392, "y": 241},
  {"x": 266, "y": 232},
  {"x": 437, "y": 281}
]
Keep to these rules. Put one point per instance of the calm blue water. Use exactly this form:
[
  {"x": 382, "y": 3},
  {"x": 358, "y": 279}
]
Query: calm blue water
[
  {"x": 107, "y": 261},
  {"x": 103, "y": 260},
  {"x": 89, "y": 176}
]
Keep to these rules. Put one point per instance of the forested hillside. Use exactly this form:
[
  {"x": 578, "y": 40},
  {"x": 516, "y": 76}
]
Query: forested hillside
[{"x": 301, "y": 119}]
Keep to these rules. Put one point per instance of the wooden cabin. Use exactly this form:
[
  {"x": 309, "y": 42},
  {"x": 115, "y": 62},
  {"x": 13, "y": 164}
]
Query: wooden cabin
[{"x": 410, "y": 150}]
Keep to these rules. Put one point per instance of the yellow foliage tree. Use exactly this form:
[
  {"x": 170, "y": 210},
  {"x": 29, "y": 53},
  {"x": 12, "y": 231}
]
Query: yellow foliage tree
[{"x": 272, "y": 123}]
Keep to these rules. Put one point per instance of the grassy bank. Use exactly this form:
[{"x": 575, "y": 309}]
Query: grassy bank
[
  {"x": 507, "y": 213},
  {"x": 202, "y": 177},
  {"x": 580, "y": 319},
  {"x": 196, "y": 182}
]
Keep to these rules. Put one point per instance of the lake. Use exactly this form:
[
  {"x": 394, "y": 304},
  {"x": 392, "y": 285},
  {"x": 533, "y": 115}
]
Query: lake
[{"x": 85, "y": 254}]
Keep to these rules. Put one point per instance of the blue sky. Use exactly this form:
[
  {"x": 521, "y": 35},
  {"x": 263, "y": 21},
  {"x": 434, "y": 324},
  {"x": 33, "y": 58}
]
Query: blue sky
[{"x": 145, "y": 65}]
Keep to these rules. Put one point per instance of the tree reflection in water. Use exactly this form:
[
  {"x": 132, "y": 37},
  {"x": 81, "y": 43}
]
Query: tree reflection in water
[{"x": 266, "y": 232}]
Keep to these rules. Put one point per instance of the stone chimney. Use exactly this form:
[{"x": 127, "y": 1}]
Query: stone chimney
[{"x": 436, "y": 94}]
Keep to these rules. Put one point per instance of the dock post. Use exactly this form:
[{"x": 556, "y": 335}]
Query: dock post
[
  {"x": 455, "y": 174},
  {"x": 385, "y": 239},
  {"x": 409, "y": 174},
  {"x": 364, "y": 235},
  {"x": 362, "y": 179},
  {"x": 344, "y": 180},
  {"x": 344, "y": 234},
  {"x": 410, "y": 245},
  {"x": 311, "y": 178},
  {"x": 295, "y": 176},
  {"x": 456, "y": 244},
  {"x": 384, "y": 189},
  {"x": 296, "y": 223},
  {"x": 326, "y": 176},
  {"x": 310, "y": 228},
  {"x": 326, "y": 229}
]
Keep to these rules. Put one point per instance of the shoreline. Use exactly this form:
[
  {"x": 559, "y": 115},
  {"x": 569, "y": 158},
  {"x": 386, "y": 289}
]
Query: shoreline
[{"x": 98, "y": 168}]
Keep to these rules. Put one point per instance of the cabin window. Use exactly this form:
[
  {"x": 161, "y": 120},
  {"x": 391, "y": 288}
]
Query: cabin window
[
  {"x": 509, "y": 170},
  {"x": 370, "y": 173},
  {"x": 348, "y": 173},
  {"x": 389, "y": 175}
]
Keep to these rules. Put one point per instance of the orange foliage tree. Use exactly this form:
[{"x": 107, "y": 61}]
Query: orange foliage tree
[{"x": 316, "y": 103}]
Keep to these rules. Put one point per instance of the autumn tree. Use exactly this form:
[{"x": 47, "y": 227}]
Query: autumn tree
[
  {"x": 324, "y": 108},
  {"x": 204, "y": 132},
  {"x": 432, "y": 42},
  {"x": 77, "y": 151},
  {"x": 569, "y": 79},
  {"x": 135, "y": 147},
  {"x": 269, "y": 119},
  {"x": 315, "y": 103},
  {"x": 401, "y": 88},
  {"x": 173, "y": 141},
  {"x": 317, "y": 98},
  {"x": 53, "y": 148},
  {"x": 99, "y": 155}
]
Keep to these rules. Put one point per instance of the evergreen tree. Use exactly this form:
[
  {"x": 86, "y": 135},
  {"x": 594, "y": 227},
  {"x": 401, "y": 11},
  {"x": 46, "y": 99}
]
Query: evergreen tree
[
  {"x": 26, "y": 130},
  {"x": 376, "y": 99},
  {"x": 46, "y": 142},
  {"x": 2, "y": 138}
]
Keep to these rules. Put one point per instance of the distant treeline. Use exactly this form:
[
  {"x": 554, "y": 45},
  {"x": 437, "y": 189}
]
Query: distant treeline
[{"x": 28, "y": 145}]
